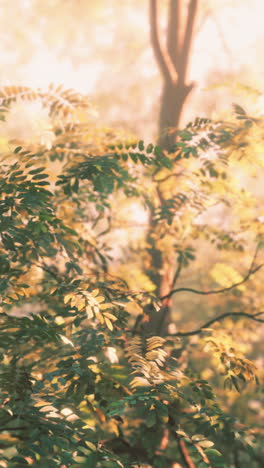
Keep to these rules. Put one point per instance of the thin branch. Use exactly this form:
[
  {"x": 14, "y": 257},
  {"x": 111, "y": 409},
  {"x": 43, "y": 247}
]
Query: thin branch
[
  {"x": 203, "y": 455},
  {"x": 227, "y": 50},
  {"x": 164, "y": 179},
  {"x": 173, "y": 35},
  {"x": 164, "y": 62},
  {"x": 254, "y": 257},
  {"x": 165, "y": 440},
  {"x": 107, "y": 229},
  {"x": 203, "y": 19},
  {"x": 219, "y": 318},
  {"x": 177, "y": 272},
  {"x": 187, "y": 40},
  {"x": 165, "y": 309},
  {"x": 214, "y": 291},
  {"x": 184, "y": 452}
]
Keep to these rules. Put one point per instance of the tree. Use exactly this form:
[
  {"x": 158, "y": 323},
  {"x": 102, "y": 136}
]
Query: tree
[
  {"x": 173, "y": 63},
  {"x": 83, "y": 383}
]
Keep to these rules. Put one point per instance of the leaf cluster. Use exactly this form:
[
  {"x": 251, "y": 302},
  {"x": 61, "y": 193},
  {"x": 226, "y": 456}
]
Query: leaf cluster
[{"x": 82, "y": 383}]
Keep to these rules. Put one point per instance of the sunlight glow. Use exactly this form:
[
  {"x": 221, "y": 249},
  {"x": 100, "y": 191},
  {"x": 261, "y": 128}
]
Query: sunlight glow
[
  {"x": 29, "y": 122},
  {"x": 235, "y": 41},
  {"x": 45, "y": 68}
]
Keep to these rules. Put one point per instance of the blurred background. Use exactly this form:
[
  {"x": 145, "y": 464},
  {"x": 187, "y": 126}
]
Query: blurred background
[{"x": 102, "y": 48}]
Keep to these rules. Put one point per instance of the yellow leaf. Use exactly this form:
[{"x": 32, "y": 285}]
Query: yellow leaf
[
  {"x": 66, "y": 340},
  {"x": 48, "y": 409},
  {"x": 104, "y": 306},
  {"x": 120, "y": 304},
  {"x": 108, "y": 324},
  {"x": 41, "y": 403},
  {"x": 154, "y": 342},
  {"x": 67, "y": 298},
  {"x": 226, "y": 276},
  {"x": 95, "y": 292},
  {"x": 110, "y": 316},
  {"x": 59, "y": 320},
  {"x": 139, "y": 382},
  {"x": 13, "y": 296},
  {"x": 89, "y": 312},
  {"x": 96, "y": 309},
  {"x": 80, "y": 303},
  {"x": 90, "y": 445},
  {"x": 100, "y": 318},
  {"x": 73, "y": 300},
  {"x": 100, "y": 299}
]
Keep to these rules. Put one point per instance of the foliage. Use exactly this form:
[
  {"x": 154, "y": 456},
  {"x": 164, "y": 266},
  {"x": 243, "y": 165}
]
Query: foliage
[{"x": 85, "y": 379}]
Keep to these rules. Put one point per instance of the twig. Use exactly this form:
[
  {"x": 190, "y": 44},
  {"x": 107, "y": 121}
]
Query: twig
[
  {"x": 214, "y": 291},
  {"x": 178, "y": 271},
  {"x": 165, "y": 307},
  {"x": 203, "y": 455},
  {"x": 219, "y": 318},
  {"x": 164, "y": 179},
  {"x": 227, "y": 50},
  {"x": 254, "y": 257},
  {"x": 184, "y": 453}
]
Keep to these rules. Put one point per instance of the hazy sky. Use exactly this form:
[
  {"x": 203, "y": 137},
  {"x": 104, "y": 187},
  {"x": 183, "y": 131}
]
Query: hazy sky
[{"x": 227, "y": 41}]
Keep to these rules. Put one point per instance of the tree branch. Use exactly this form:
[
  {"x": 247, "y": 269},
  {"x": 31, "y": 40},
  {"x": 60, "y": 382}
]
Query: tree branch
[
  {"x": 164, "y": 179},
  {"x": 184, "y": 452},
  {"x": 165, "y": 309},
  {"x": 187, "y": 40},
  {"x": 227, "y": 50},
  {"x": 254, "y": 257},
  {"x": 163, "y": 59},
  {"x": 219, "y": 318},
  {"x": 203, "y": 455},
  {"x": 177, "y": 272},
  {"x": 173, "y": 35},
  {"x": 214, "y": 291}
]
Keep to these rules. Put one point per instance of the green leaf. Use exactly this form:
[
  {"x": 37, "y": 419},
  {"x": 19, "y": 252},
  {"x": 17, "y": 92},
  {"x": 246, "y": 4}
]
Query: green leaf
[
  {"x": 141, "y": 145},
  {"x": 157, "y": 150},
  {"x": 17, "y": 149},
  {"x": 239, "y": 110},
  {"x": 37, "y": 170},
  {"x": 40, "y": 176},
  {"x": 21, "y": 460},
  {"x": 213, "y": 454},
  {"x": 149, "y": 148},
  {"x": 151, "y": 419}
]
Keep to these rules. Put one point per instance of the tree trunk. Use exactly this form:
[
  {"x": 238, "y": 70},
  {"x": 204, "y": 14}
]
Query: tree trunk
[
  {"x": 173, "y": 62},
  {"x": 173, "y": 99}
]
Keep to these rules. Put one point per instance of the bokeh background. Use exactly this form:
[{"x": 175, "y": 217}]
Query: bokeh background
[{"x": 102, "y": 48}]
